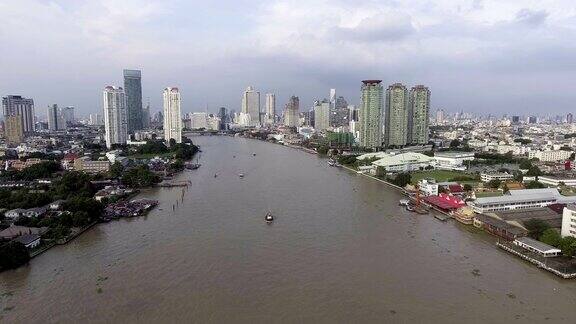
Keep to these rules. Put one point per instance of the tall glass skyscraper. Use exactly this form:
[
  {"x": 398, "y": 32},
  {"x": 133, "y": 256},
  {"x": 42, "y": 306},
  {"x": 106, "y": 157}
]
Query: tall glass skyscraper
[
  {"x": 133, "y": 91},
  {"x": 370, "y": 114}
]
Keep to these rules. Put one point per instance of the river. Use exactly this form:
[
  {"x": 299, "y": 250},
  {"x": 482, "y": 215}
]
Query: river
[{"x": 340, "y": 250}]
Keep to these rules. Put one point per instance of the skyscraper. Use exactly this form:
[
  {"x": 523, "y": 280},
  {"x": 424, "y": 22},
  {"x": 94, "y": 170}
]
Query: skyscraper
[
  {"x": 13, "y": 129},
  {"x": 339, "y": 113},
  {"x": 22, "y": 107},
  {"x": 172, "y": 115},
  {"x": 321, "y": 115},
  {"x": 95, "y": 120},
  {"x": 419, "y": 114},
  {"x": 56, "y": 118},
  {"x": 270, "y": 108},
  {"x": 146, "y": 117},
  {"x": 439, "y": 116},
  {"x": 68, "y": 115},
  {"x": 396, "y": 117},
  {"x": 133, "y": 90},
  {"x": 251, "y": 105},
  {"x": 115, "y": 116},
  {"x": 569, "y": 118},
  {"x": 291, "y": 112},
  {"x": 370, "y": 114},
  {"x": 224, "y": 120}
]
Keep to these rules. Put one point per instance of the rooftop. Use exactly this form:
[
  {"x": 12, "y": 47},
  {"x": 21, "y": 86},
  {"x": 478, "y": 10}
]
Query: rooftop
[{"x": 537, "y": 245}]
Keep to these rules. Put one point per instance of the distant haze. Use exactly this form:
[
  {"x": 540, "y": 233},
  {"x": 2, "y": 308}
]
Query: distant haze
[{"x": 490, "y": 56}]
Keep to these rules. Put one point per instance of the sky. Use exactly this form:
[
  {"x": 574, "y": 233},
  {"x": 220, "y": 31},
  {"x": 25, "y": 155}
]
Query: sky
[{"x": 485, "y": 56}]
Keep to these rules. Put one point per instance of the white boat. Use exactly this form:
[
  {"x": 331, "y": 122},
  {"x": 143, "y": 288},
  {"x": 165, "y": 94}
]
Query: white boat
[
  {"x": 269, "y": 218},
  {"x": 241, "y": 175},
  {"x": 404, "y": 202}
]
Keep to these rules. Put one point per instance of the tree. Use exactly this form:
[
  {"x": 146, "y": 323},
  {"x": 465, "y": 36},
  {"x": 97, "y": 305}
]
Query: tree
[
  {"x": 551, "y": 237},
  {"x": 536, "y": 227},
  {"x": 322, "y": 150},
  {"x": 535, "y": 185},
  {"x": 116, "y": 170},
  {"x": 140, "y": 176},
  {"x": 505, "y": 189},
  {"x": 525, "y": 164},
  {"x": 380, "y": 172},
  {"x": 534, "y": 171},
  {"x": 12, "y": 255},
  {"x": 494, "y": 184},
  {"x": 402, "y": 179},
  {"x": 568, "y": 245},
  {"x": 455, "y": 143},
  {"x": 467, "y": 187}
]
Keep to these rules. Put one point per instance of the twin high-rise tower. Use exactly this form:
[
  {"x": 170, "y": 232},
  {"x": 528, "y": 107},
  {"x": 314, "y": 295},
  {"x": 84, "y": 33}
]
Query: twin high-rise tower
[{"x": 405, "y": 115}]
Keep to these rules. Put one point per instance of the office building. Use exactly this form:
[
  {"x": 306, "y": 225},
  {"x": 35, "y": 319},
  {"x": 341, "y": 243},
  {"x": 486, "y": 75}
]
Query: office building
[
  {"x": 133, "y": 93},
  {"x": 224, "y": 118},
  {"x": 370, "y": 114},
  {"x": 396, "y": 116},
  {"x": 569, "y": 118},
  {"x": 198, "y": 120},
  {"x": 115, "y": 127},
  {"x": 56, "y": 118},
  {"x": 68, "y": 115},
  {"x": 22, "y": 107},
  {"x": 418, "y": 123},
  {"x": 270, "y": 109},
  {"x": 172, "y": 115},
  {"x": 251, "y": 106},
  {"x": 439, "y": 116},
  {"x": 321, "y": 115},
  {"x": 291, "y": 112}
]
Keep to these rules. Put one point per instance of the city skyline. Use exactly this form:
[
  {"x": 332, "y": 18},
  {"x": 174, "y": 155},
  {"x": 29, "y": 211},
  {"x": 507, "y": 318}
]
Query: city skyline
[{"x": 465, "y": 52}]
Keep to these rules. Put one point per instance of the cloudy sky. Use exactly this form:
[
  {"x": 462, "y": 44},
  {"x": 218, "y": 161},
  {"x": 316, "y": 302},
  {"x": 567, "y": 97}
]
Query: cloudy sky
[{"x": 497, "y": 56}]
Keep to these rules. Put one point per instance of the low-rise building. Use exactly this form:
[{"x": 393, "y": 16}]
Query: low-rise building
[
  {"x": 89, "y": 166},
  {"x": 501, "y": 176},
  {"x": 557, "y": 180},
  {"x": 29, "y": 240},
  {"x": 538, "y": 247},
  {"x": 428, "y": 187},
  {"x": 550, "y": 156},
  {"x": 404, "y": 162},
  {"x": 452, "y": 160},
  {"x": 521, "y": 199},
  {"x": 498, "y": 227}
]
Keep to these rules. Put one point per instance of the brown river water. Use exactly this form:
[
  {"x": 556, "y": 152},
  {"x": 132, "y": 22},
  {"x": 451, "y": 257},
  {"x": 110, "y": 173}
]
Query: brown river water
[{"x": 340, "y": 251}]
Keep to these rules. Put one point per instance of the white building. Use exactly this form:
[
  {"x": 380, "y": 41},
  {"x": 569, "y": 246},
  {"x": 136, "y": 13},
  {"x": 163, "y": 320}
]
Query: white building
[
  {"x": 502, "y": 176},
  {"x": 453, "y": 160},
  {"x": 428, "y": 187},
  {"x": 557, "y": 180},
  {"x": 115, "y": 116},
  {"x": 550, "y": 156},
  {"x": 198, "y": 120},
  {"x": 403, "y": 162},
  {"x": 95, "y": 120},
  {"x": 521, "y": 199},
  {"x": 251, "y": 105},
  {"x": 270, "y": 109},
  {"x": 172, "y": 115},
  {"x": 569, "y": 221}
]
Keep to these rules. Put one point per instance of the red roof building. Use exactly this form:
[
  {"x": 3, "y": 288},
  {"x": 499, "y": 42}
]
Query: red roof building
[{"x": 445, "y": 202}]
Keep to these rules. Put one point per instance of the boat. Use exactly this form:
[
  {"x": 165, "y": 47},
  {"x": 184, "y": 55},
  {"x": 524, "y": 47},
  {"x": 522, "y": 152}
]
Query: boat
[
  {"x": 215, "y": 175},
  {"x": 331, "y": 163},
  {"x": 192, "y": 166},
  {"x": 404, "y": 202},
  {"x": 253, "y": 154},
  {"x": 241, "y": 175},
  {"x": 410, "y": 208},
  {"x": 269, "y": 218}
]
